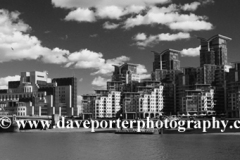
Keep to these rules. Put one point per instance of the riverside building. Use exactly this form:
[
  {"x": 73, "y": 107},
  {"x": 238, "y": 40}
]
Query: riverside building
[{"x": 35, "y": 95}]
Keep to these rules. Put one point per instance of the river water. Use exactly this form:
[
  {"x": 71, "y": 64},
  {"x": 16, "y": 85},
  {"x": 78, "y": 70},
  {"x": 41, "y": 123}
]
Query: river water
[{"x": 109, "y": 146}]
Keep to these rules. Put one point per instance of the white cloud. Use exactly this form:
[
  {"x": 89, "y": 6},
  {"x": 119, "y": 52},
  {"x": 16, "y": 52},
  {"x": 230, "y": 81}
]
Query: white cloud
[
  {"x": 89, "y": 59},
  {"x": 81, "y": 15},
  {"x": 191, "y": 25},
  {"x": 142, "y": 71},
  {"x": 4, "y": 81},
  {"x": 130, "y": 13},
  {"x": 100, "y": 82},
  {"x": 143, "y": 41},
  {"x": 160, "y": 16},
  {"x": 16, "y": 44},
  {"x": 108, "y": 68},
  {"x": 191, "y": 7},
  {"x": 140, "y": 37},
  {"x": 192, "y": 52},
  {"x": 109, "y": 25},
  {"x": 111, "y": 12},
  {"x": 103, "y": 3}
]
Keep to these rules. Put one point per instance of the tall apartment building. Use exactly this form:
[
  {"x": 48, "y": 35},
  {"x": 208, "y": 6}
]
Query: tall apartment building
[
  {"x": 145, "y": 103},
  {"x": 107, "y": 106},
  {"x": 206, "y": 74},
  {"x": 126, "y": 73},
  {"x": 102, "y": 104},
  {"x": 214, "y": 50},
  {"x": 166, "y": 60},
  {"x": 166, "y": 68},
  {"x": 198, "y": 102},
  {"x": 88, "y": 105},
  {"x": 66, "y": 93},
  {"x": 233, "y": 91}
]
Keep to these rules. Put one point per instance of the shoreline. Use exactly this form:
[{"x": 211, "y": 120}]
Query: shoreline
[{"x": 112, "y": 130}]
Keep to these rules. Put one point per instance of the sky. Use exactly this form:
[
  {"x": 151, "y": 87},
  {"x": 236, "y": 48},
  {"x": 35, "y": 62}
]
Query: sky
[{"x": 84, "y": 38}]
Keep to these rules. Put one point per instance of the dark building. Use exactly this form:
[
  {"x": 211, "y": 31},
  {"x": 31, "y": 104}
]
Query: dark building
[
  {"x": 214, "y": 50},
  {"x": 68, "y": 81},
  {"x": 166, "y": 60}
]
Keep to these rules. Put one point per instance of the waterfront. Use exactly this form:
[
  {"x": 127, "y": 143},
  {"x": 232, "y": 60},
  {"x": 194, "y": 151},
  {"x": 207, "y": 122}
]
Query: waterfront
[{"x": 104, "y": 146}]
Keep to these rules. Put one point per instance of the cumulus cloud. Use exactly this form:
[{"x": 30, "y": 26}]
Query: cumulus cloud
[
  {"x": 4, "y": 81},
  {"x": 134, "y": 13},
  {"x": 140, "y": 37},
  {"x": 144, "y": 41},
  {"x": 103, "y": 3},
  {"x": 191, "y": 25},
  {"x": 111, "y": 12},
  {"x": 109, "y": 25},
  {"x": 100, "y": 82},
  {"x": 17, "y": 44},
  {"x": 173, "y": 20},
  {"x": 142, "y": 71},
  {"x": 81, "y": 15},
  {"x": 191, "y": 7},
  {"x": 191, "y": 52}
]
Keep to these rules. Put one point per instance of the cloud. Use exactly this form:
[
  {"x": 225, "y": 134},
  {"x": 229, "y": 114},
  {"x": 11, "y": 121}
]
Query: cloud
[
  {"x": 132, "y": 13},
  {"x": 4, "y": 81},
  {"x": 191, "y": 52},
  {"x": 100, "y": 82},
  {"x": 144, "y": 41},
  {"x": 111, "y": 12},
  {"x": 81, "y": 15},
  {"x": 89, "y": 59},
  {"x": 169, "y": 17},
  {"x": 17, "y": 44},
  {"x": 104, "y": 3},
  {"x": 107, "y": 67},
  {"x": 142, "y": 71},
  {"x": 140, "y": 37},
  {"x": 191, "y": 25},
  {"x": 191, "y": 7},
  {"x": 109, "y": 25}
]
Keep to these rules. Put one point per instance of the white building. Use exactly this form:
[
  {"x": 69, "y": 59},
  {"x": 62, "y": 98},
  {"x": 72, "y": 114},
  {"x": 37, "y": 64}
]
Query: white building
[
  {"x": 151, "y": 104},
  {"x": 106, "y": 106},
  {"x": 198, "y": 102}
]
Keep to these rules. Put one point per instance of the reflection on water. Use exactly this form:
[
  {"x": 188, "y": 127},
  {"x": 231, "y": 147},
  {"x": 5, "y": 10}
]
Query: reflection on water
[{"x": 104, "y": 146}]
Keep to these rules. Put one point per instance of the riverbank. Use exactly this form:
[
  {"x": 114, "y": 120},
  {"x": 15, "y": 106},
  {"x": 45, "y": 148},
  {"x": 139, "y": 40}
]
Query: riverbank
[
  {"x": 82, "y": 130},
  {"x": 108, "y": 130}
]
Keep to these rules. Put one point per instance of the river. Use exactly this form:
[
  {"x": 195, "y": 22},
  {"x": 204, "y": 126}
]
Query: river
[{"x": 109, "y": 146}]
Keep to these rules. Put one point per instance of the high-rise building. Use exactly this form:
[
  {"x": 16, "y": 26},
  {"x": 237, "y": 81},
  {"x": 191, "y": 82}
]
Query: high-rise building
[
  {"x": 233, "y": 91},
  {"x": 198, "y": 101},
  {"x": 65, "y": 99},
  {"x": 102, "y": 104},
  {"x": 214, "y": 50},
  {"x": 145, "y": 103},
  {"x": 166, "y": 60},
  {"x": 126, "y": 73}
]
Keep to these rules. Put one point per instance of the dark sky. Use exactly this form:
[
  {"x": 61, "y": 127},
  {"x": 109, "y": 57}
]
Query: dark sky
[{"x": 49, "y": 26}]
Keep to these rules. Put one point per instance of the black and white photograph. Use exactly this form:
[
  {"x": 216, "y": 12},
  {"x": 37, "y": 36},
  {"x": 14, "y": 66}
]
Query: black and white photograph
[{"x": 119, "y": 79}]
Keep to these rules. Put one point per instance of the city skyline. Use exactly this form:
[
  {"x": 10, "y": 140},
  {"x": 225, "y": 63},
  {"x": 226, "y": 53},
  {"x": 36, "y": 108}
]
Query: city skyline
[{"x": 48, "y": 39}]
